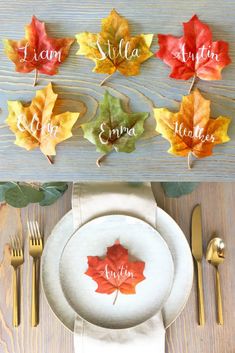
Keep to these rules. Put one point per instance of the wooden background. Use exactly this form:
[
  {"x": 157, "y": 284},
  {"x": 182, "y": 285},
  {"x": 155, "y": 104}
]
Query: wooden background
[
  {"x": 78, "y": 86},
  {"x": 184, "y": 336}
]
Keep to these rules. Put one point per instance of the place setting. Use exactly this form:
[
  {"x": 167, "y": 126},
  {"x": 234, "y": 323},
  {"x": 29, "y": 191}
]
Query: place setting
[{"x": 116, "y": 270}]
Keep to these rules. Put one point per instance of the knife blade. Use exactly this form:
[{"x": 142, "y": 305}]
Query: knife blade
[
  {"x": 197, "y": 251},
  {"x": 197, "y": 248}
]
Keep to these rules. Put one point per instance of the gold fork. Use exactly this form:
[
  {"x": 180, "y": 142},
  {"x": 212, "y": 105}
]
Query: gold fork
[
  {"x": 35, "y": 250},
  {"x": 17, "y": 259}
]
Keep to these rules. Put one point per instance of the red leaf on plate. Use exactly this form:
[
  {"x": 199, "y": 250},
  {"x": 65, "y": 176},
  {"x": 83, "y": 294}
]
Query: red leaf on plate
[
  {"x": 194, "y": 54},
  {"x": 115, "y": 272}
]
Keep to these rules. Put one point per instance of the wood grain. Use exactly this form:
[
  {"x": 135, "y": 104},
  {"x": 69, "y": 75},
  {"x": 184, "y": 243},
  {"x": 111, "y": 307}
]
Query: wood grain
[
  {"x": 76, "y": 83},
  {"x": 184, "y": 336}
]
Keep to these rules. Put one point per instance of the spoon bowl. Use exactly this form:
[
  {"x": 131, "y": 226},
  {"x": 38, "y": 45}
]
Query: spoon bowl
[{"x": 215, "y": 255}]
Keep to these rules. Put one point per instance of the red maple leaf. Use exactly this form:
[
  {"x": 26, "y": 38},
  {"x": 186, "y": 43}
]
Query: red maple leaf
[
  {"x": 194, "y": 54},
  {"x": 115, "y": 272},
  {"x": 37, "y": 51}
]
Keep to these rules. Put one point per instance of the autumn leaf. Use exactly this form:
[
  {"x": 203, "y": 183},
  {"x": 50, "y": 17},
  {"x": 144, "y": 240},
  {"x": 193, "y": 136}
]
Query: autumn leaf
[
  {"x": 36, "y": 126},
  {"x": 114, "y": 49},
  {"x": 115, "y": 273},
  {"x": 194, "y": 54},
  {"x": 191, "y": 130},
  {"x": 37, "y": 51},
  {"x": 114, "y": 128}
]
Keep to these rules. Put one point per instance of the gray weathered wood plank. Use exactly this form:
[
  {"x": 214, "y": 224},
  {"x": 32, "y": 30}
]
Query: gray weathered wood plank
[{"x": 76, "y": 83}]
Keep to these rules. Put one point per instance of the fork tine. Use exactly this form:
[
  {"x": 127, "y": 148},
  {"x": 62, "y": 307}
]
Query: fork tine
[
  {"x": 31, "y": 232},
  {"x": 35, "y": 233},
  {"x": 39, "y": 238},
  {"x": 11, "y": 242},
  {"x": 18, "y": 242},
  {"x": 15, "y": 246},
  {"x": 37, "y": 228}
]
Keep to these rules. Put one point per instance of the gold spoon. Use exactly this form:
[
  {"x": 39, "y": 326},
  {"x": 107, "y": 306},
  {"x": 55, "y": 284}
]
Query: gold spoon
[{"x": 215, "y": 255}]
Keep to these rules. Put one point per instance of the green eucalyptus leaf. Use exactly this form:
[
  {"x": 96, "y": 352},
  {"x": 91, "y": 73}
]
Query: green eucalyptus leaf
[
  {"x": 177, "y": 189},
  {"x": 60, "y": 186},
  {"x": 4, "y": 186},
  {"x": 16, "y": 198},
  {"x": 50, "y": 196},
  {"x": 33, "y": 195},
  {"x": 52, "y": 192},
  {"x": 21, "y": 195},
  {"x": 125, "y": 128}
]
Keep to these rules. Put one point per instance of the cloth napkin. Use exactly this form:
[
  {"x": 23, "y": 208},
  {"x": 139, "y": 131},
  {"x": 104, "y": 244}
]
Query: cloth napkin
[{"x": 91, "y": 200}]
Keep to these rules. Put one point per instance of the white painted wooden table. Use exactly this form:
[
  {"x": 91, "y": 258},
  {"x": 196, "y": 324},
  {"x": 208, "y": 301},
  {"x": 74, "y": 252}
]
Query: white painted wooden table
[{"x": 76, "y": 83}]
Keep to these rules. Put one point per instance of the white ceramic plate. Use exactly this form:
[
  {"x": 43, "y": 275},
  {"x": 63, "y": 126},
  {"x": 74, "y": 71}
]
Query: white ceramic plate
[
  {"x": 169, "y": 230},
  {"x": 143, "y": 243}
]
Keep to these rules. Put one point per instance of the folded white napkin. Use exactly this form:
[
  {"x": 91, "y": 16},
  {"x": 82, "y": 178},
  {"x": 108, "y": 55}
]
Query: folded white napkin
[
  {"x": 148, "y": 337},
  {"x": 91, "y": 200}
]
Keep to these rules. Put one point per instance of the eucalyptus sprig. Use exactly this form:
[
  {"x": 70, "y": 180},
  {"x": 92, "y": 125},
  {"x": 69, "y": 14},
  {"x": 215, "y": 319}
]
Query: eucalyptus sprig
[{"x": 20, "y": 195}]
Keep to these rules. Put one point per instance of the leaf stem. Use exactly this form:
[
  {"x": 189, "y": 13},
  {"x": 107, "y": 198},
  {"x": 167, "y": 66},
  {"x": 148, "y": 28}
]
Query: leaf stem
[
  {"x": 50, "y": 160},
  {"x": 105, "y": 79},
  {"x": 189, "y": 161},
  {"x": 116, "y": 296},
  {"x": 102, "y": 158},
  {"x": 192, "y": 84},
  {"x": 35, "y": 78}
]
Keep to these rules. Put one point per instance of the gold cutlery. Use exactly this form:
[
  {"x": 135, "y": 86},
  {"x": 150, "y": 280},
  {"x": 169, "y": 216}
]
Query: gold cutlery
[
  {"x": 17, "y": 259},
  {"x": 35, "y": 250},
  {"x": 215, "y": 255},
  {"x": 197, "y": 251}
]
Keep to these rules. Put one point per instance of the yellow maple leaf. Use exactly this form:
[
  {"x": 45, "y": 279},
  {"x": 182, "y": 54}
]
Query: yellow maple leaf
[
  {"x": 191, "y": 130},
  {"x": 114, "y": 48},
  {"x": 36, "y": 126}
]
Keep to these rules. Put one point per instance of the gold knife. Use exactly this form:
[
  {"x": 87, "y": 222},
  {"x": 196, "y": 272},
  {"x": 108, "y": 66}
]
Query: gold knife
[{"x": 197, "y": 251}]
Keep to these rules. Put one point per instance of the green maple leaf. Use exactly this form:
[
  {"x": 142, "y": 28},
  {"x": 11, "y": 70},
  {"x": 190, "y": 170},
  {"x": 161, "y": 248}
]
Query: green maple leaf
[{"x": 114, "y": 128}]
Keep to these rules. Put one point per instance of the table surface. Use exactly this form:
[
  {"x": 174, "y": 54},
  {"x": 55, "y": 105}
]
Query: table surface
[
  {"x": 78, "y": 86},
  {"x": 184, "y": 336}
]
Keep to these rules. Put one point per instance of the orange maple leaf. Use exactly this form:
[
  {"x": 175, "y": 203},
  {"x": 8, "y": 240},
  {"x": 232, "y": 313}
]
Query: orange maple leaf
[
  {"x": 191, "y": 130},
  {"x": 37, "y": 51},
  {"x": 36, "y": 125},
  {"x": 115, "y": 272}
]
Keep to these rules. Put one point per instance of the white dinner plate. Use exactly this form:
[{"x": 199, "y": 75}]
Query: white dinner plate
[
  {"x": 144, "y": 244},
  {"x": 169, "y": 230}
]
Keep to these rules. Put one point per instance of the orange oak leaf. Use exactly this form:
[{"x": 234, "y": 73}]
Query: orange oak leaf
[
  {"x": 36, "y": 125},
  {"x": 115, "y": 273},
  {"x": 191, "y": 130},
  {"x": 37, "y": 51},
  {"x": 194, "y": 54},
  {"x": 114, "y": 49}
]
